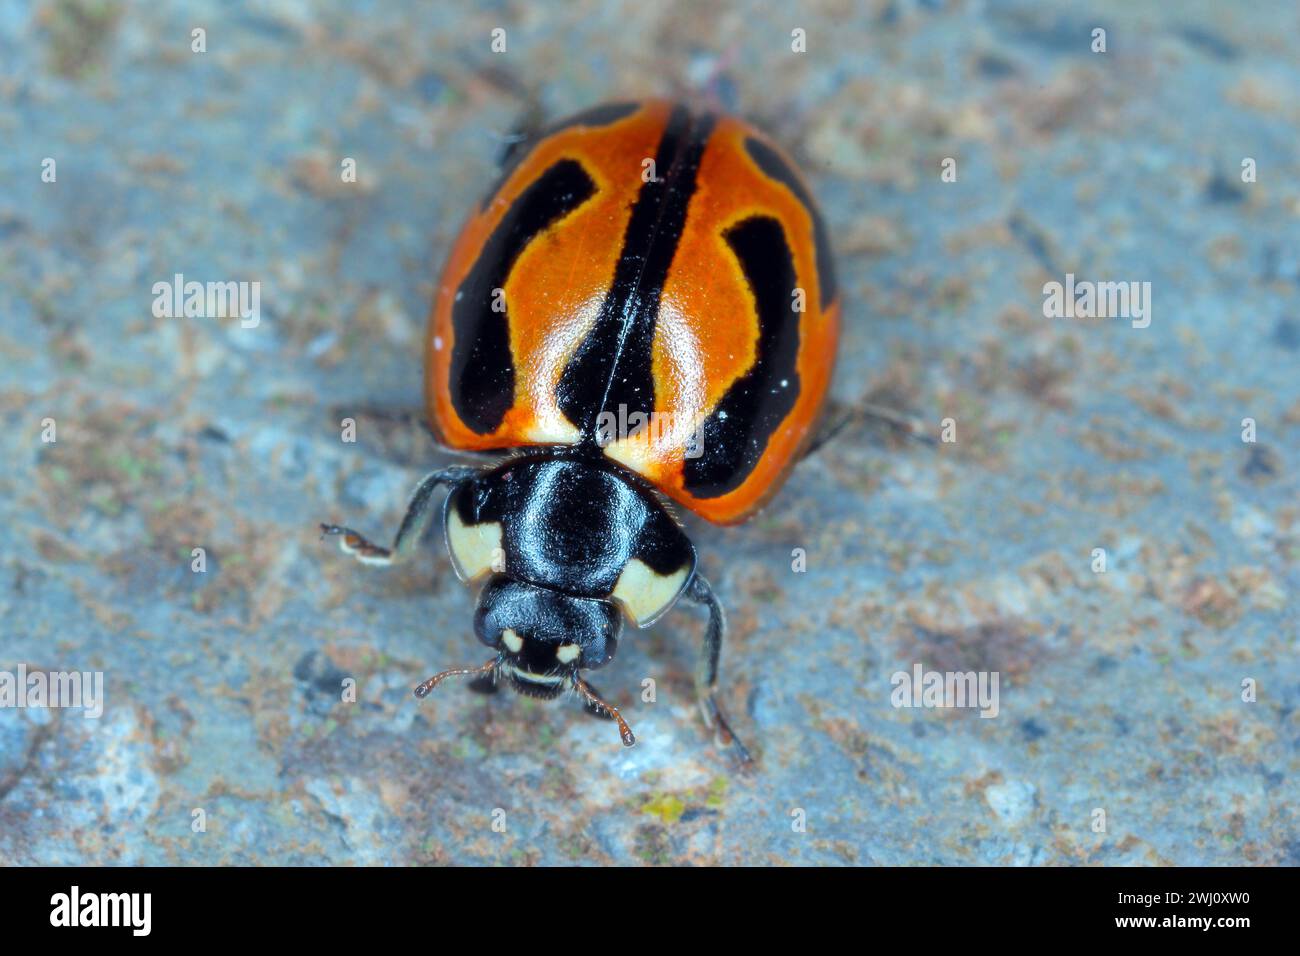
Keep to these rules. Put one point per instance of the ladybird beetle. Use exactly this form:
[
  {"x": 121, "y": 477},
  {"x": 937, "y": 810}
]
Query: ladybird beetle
[{"x": 643, "y": 308}]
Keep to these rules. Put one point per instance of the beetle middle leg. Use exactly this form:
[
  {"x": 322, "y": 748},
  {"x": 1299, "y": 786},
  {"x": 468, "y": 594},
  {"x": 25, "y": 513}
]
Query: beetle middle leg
[
  {"x": 413, "y": 524},
  {"x": 706, "y": 674}
]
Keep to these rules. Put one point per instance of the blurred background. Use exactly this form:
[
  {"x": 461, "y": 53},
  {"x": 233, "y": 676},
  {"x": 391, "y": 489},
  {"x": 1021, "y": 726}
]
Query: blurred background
[{"x": 224, "y": 738}]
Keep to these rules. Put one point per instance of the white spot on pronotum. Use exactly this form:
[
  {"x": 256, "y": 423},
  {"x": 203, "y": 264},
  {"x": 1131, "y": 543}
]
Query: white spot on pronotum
[
  {"x": 437, "y": 339},
  {"x": 1248, "y": 430},
  {"x": 498, "y": 820},
  {"x": 948, "y": 170},
  {"x": 948, "y": 434},
  {"x": 475, "y": 548},
  {"x": 49, "y": 431},
  {"x": 349, "y": 695},
  {"x": 1098, "y": 560},
  {"x": 648, "y": 690},
  {"x": 1098, "y": 820},
  {"x": 1247, "y": 170},
  {"x": 498, "y": 40},
  {"x": 1098, "y": 40},
  {"x": 348, "y": 170},
  {"x": 198, "y": 820},
  {"x": 798, "y": 40},
  {"x": 799, "y": 562},
  {"x": 798, "y": 820},
  {"x": 199, "y": 562},
  {"x": 349, "y": 433},
  {"x": 647, "y": 594},
  {"x": 1248, "y": 690},
  {"x": 49, "y": 170},
  {"x": 568, "y": 653},
  {"x": 198, "y": 40},
  {"x": 513, "y": 642}
]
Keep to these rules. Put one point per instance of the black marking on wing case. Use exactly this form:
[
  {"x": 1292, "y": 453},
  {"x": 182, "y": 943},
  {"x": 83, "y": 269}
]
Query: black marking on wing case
[
  {"x": 771, "y": 163},
  {"x": 612, "y": 366},
  {"x": 482, "y": 378},
  {"x": 736, "y": 432},
  {"x": 517, "y": 150}
]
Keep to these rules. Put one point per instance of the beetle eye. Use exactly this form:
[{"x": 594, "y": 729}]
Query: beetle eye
[{"x": 600, "y": 651}]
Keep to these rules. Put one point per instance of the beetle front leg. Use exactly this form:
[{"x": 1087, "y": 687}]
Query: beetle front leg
[
  {"x": 413, "y": 524},
  {"x": 706, "y": 675}
]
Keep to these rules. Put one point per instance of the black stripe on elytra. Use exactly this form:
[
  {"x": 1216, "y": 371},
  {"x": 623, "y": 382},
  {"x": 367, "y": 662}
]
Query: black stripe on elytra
[
  {"x": 482, "y": 380},
  {"x": 771, "y": 163},
  {"x": 522, "y": 143},
  {"x": 735, "y": 434},
  {"x": 612, "y": 366}
]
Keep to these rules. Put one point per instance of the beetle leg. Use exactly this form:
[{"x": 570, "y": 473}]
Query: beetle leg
[
  {"x": 484, "y": 684},
  {"x": 592, "y": 708},
  {"x": 706, "y": 675},
  {"x": 597, "y": 705},
  {"x": 896, "y": 421},
  {"x": 417, "y": 515}
]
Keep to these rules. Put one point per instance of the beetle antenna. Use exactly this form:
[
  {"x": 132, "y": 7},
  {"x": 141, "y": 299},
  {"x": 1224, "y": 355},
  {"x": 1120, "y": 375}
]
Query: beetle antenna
[
  {"x": 624, "y": 731},
  {"x": 487, "y": 669}
]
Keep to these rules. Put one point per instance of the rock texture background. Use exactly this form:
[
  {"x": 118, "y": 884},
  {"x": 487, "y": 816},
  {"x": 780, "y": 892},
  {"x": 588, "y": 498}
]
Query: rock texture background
[{"x": 1120, "y": 691}]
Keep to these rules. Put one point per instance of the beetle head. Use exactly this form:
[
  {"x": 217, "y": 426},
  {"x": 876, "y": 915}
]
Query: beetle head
[
  {"x": 544, "y": 637},
  {"x": 543, "y": 640}
]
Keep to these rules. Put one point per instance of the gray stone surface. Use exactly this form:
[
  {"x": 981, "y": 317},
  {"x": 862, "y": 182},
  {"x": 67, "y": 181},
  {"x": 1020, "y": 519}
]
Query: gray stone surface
[{"x": 1120, "y": 691}]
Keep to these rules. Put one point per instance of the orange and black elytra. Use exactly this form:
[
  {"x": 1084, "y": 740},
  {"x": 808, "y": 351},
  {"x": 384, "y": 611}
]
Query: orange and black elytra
[{"x": 644, "y": 306}]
